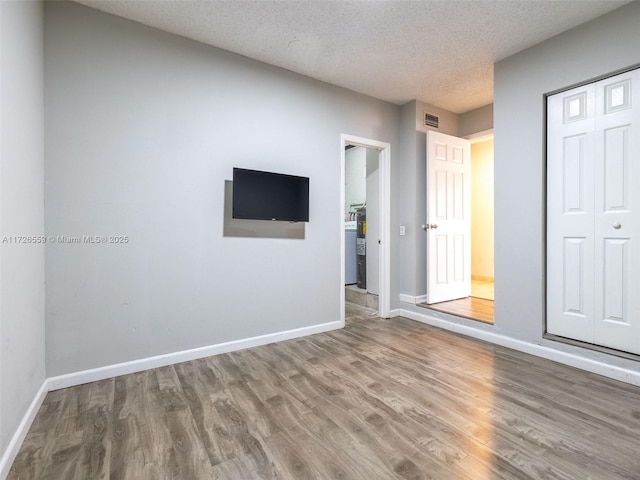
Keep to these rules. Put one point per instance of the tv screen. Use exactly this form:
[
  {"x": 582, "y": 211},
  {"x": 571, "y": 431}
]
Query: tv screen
[{"x": 270, "y": 196}]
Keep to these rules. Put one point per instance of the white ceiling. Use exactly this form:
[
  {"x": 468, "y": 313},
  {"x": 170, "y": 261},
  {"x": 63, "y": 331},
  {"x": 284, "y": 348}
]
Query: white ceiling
[{"x": 438, "y": 51}]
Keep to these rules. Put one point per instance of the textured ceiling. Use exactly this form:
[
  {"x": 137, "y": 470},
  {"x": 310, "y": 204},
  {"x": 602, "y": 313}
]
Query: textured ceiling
[{"x": 439, "y": 52}]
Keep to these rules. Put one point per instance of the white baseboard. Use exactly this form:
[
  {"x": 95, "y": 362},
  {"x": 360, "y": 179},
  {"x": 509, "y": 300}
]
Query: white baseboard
[
  {"x": 109, "y": 371},
  {"x": 421, "y": 299},
  {"x": 412, "y": 300},
  {"x": 16, "y": 441},
  {"x": 543, "y": 351},
  {"x": 407, "y": 299}
]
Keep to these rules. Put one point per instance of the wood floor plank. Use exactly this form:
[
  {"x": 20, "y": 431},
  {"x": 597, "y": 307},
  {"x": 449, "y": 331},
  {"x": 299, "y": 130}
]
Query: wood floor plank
[
  {"x": 141, "y": 441},
  {"x": 96, "y": 446},
  {"x": 470, "y": 307},
  {"x": 323, "y": 462},
  {"x": 242, "y": 468},
  {"x": 289, "y": 459},
  {"x": 64, "y": 458},
  {"x": 438, "y": 447},
  {"x": 515, "y": 425},
  {"x": 379, "y": 399},
  {"x": 345, "y": 449},
  {"x": 245, "y": 440}
]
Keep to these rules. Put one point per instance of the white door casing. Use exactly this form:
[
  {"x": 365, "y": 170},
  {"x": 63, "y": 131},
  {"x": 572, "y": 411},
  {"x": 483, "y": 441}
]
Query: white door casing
[
  {"x": 384, "y": 220},
  {"x": 593, "y": 204},
  {"x": 448, "y": 226}
]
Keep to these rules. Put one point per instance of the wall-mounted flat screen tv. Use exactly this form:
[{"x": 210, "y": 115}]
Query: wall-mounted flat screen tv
[{"x": 270, "y": 196}]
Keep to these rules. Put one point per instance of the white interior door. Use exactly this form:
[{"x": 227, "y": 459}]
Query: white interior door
[
  {"x": 448, "y": 217},
  {"x": 593, "y": 221},
  {"x": 373, "y": 221}
]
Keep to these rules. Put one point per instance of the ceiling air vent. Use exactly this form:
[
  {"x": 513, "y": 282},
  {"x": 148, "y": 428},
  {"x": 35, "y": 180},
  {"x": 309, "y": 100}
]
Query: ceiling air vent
[{"x": 431, "y": 120}]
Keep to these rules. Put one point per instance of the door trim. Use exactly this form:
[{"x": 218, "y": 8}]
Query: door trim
[
  {"x": 384, "y": 257},
  {"x": 591, "y": 346}
]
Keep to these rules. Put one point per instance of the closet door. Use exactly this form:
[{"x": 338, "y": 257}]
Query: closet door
[
  {"x": 570, "y": 213},
  {"x": 593, "y": 181},
  {"x": 617, "y": 213}
]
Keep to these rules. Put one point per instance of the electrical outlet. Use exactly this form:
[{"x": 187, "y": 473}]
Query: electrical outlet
[{"x": 402, "y": 230}]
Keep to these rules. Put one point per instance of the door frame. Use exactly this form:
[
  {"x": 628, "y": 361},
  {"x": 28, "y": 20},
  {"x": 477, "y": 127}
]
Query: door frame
[
  {"x": 384, "y": 257},
  {"x": 545, "y": 158}
]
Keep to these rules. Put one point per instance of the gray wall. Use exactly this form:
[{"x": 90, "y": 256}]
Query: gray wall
[
  {"x": 22, "y": 368},
  {"x": 593, "y": 49},
  {"x": 404, "y": 204},
  {"x": 143, "y": 129},
  {"x": 478, "y": 120}
]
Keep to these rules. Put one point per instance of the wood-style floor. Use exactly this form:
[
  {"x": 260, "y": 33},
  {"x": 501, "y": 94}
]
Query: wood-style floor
[
  {"x": 479, "y": 306},
  {"x": 469, "y": 307},
  {"x": 378, "y": 400}
]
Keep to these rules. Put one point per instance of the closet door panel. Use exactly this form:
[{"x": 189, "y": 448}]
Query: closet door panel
[{"x": 593, "y": 213}]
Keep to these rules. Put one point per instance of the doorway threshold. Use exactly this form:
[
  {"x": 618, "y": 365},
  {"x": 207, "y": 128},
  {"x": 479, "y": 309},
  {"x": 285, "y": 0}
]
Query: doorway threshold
[
  {"x": 360, "y": 296},
  {"x": 473, "y": 308}
]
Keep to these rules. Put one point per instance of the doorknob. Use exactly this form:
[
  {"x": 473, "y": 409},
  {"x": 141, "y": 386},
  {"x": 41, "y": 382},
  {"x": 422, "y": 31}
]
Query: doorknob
[
  {"x": 433, "y": 226},
  {"x": 429, "y": 226},
  {"x": 616, "y": 225}
]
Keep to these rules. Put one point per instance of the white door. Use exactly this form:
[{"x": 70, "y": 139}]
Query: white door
[
  {"x": 373, "y": 221},
  {"x": 448, "y": 217},
  {"x": 593, "y": 220}
]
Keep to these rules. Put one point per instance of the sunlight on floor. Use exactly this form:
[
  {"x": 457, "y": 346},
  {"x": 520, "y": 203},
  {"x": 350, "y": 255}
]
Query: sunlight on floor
[
  {"x": 479, "y": 306},
  {"x": 482, "y": 289}
]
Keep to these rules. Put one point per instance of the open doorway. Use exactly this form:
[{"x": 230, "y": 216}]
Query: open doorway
[
  {"x": 478, "y": 301},
  {"x": 365, "y": 210},
  {"x": 482, "y": 220},
  {"x": 361, "y": 212}
]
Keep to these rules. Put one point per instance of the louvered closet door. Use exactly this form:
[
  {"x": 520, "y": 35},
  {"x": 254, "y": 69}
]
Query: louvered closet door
[{"x": 593, "y": 220}]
